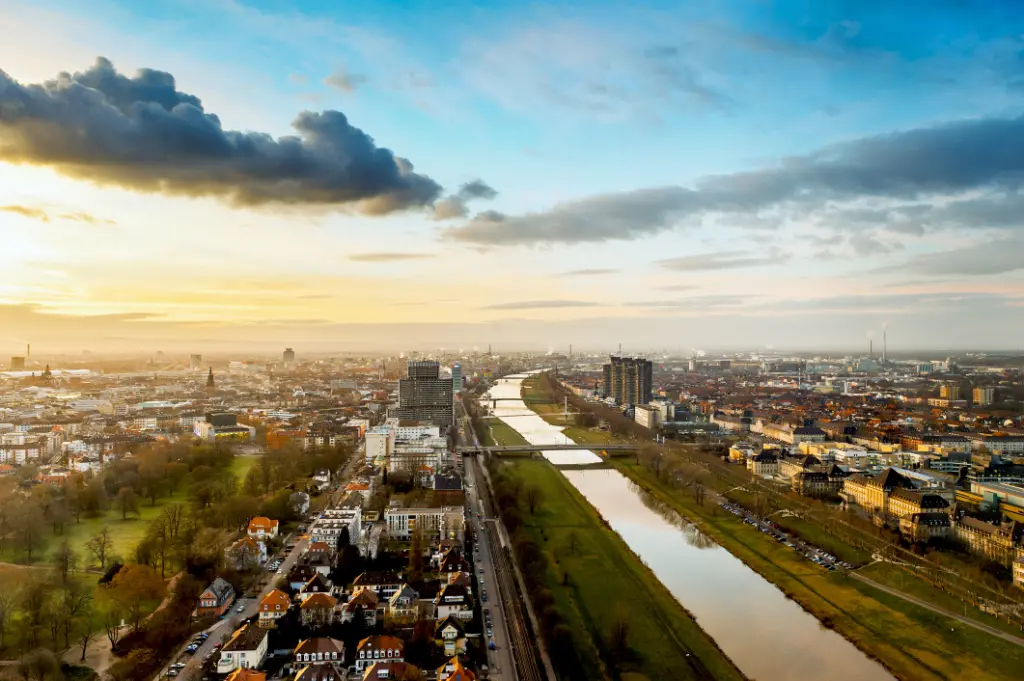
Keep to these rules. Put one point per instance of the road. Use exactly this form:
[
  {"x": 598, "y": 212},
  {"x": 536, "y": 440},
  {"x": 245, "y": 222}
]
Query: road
[
  {"x": 222, "y": 630},
  {"x": 500, "y": 660},
  {"x": 941, "y": 611}
]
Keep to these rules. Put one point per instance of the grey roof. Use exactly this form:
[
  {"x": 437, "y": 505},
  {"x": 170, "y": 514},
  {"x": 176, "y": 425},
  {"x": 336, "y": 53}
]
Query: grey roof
[{"x": 221, "y": 589}]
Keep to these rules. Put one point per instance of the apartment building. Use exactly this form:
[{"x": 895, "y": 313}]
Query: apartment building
[
  {"x": 628, "y": 380},
  {"x": 445, "y": 522}
]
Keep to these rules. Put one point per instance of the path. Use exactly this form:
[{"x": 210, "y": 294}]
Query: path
[{"x": 940, "y": 611}]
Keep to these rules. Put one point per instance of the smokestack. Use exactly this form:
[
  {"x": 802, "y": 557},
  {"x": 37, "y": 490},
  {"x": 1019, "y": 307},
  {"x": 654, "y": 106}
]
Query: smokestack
[
  {"x": 871, "y": 347},
  {"x": 28, "y": 350},
  {"x": 885, "y": 344}
]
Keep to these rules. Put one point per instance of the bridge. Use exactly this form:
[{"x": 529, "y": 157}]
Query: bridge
[
  {"x": 526, "y": 400},
  {"x": 522, "y": 449}
]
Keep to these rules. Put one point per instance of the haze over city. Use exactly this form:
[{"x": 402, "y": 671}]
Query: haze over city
[{"x": 190, "y": 175}]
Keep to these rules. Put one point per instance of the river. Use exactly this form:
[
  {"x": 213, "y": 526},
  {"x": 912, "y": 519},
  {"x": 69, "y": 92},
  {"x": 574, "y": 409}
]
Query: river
[{"x": 768, "y": 636}]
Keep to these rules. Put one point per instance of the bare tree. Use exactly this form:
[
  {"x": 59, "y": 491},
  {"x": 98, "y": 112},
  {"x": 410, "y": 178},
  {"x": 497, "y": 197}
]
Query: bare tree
[
  {"x": 100, "y": 545},
  {"x": 574, "y": 542},
  {"x": 66, "y": 560},
  {"x": 533, "y": 498}
]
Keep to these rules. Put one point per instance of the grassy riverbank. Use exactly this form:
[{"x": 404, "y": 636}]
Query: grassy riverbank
[
  {"x": 913, "y": 642},
  {"x": 598, "y": 583}
]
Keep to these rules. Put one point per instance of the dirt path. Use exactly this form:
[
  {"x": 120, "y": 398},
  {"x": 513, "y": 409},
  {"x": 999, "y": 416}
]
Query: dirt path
[{"x": 941, "y": 611}]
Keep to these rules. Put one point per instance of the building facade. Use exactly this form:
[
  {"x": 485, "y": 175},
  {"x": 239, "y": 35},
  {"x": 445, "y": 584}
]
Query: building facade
[
  {"x": 425, "y": 396},
  {"x": 628, "y": 380}
]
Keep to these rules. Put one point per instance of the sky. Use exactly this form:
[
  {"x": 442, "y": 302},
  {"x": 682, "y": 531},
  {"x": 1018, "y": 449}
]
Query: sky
[{"x": 200, "y": 175}]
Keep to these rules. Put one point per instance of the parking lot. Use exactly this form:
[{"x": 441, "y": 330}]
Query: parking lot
[{"x": 811, "y": 553}]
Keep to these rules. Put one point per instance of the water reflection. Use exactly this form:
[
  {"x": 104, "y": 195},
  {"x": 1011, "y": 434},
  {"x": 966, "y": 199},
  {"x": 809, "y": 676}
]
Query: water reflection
[{"x": 769, "y": 637}]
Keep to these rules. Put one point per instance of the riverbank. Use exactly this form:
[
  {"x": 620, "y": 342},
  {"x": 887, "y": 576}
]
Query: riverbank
[
  {"x": 911, "y": 641},
  {"x": 599, "y": 584}
]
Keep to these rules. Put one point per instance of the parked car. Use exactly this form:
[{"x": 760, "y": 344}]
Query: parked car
[
  {"x": 491, "y": 645},
  {"x": 240, "y": 608}
]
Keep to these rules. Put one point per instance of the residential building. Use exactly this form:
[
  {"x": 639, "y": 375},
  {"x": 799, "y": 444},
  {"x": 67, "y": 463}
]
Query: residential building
[
  {"x": 384, "y": 584},
  {"x": 380, "y": 442},
  {"x": 647, "y": 416},
  {"x": 984, "y": 395},
  {"x": 450, "y": 635},
  {"x": 273, "y": 607},
  {"x": 317, "y": 609},
  {"x": 819, "y": 483},
  {"x": 454, "y": 670},
  {"x": 215, "y": 599},
  {"x": 391, "y": 669},
  {"x": 321, "y": 672},
  {"x": 628, "y": 380},
  {"x": 246, "y": 649},
  {"x": 949, "y": 391},
  {"x": 328, "y": 527},
  {"x": 378, "y": 648},
  {"x": 246, "y": 554},
  {"x": 453, "y": 600},
  {"x": 425, "y": 396},
  {"x": 363, "y": 605},
  {"x": 319, "y": 651},
  {"x": 925, "y": 526},
  {"x": 261, "y": 526},
  {"x": 246, "y": 674},
  {"x": 446, "y": 522},
  {"x": 404, "y": 604},
  {"x": 1018, "y": 571}
]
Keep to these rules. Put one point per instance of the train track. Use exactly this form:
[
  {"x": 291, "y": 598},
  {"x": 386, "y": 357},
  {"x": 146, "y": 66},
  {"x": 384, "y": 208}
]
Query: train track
[{"x": 521, "y": 638}]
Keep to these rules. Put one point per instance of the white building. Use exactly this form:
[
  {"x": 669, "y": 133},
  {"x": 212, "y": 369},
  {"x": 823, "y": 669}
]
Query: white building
[
  {"x": 380, "y": 442},
  {"x": 328, "y": 526},
  {"x": 445, "y": 522},
  {"x": 647, "y": 416}
]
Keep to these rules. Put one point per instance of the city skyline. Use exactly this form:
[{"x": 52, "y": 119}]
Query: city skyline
[{"x": 724, "y": 175}]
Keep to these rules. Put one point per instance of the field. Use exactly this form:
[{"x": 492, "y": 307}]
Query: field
[{"x": 597, "y": 580}]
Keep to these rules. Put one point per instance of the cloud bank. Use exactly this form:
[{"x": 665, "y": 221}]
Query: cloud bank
[
  {"x": 978, "y": 162},
  {"x": 142, "y": 133}
]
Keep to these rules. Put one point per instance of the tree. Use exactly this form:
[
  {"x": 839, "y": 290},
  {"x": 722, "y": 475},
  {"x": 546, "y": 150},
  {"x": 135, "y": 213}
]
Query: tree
[
  {"x": 618, "y": 637},
  {"x": 128, "y": 501},
  {"x": 28, "y": 528},
  {"x": 112, "y": 616},
  {"x": 344, "y": 539},
  {"x": 75, "y": 603},
  {"x": 100, "y": 545},
  {"x": 533, "y": 498},
  {"x": 8, "y": 598},
  {"x": 66, "y": 560},
  {"x": 574, "y": 542},
  {"x": 134, "y": 587},
  {"x": 40, "y": 665}
]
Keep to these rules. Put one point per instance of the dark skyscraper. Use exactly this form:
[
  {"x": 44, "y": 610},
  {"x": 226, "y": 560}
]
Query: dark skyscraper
[
  {"x": 425, "y": 396},
  {"x": 628, "y": 380},
  {"x": 289, "y": 356}
]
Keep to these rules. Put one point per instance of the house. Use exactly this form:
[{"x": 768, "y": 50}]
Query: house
[
  {"x": 215, "y": 599},
  {"x": 378, "y": 648},
  {"x": 322, "y": 478},
  {"x": 453, "y": 562},
  {"x": 384, "y": 584},
  {"x": 391, "y": 669},
  {"x": 317, "y": 584},
  {"x": 299, "y": 575},
  {"x": 318, "y": 609},
  {"x": 246, "y": 554},
  {"x": 362, "y": 604},
  {"x": 321, "y": 672},
  {"x": 450, "y": 635},
  {"x": 404, "y": 603},
  {"x": 319, "y": 651},
  {"x": 321, "y": 562},
  {"x": 1018, "y": 571},
  {"x": 453, "y": 599},
  {"x": 261, "y": 526},
  {"x": 300, "y": 503},
  {"x": 454, "y": 670},
  {"x": 246, "y": 649},
  {"x": 273, "y": 607},
  {"x": 320, "y": 548},
  {"x": 245, "y": 674}
]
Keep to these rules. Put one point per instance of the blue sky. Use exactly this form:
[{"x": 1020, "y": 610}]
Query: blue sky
[{"x": 720, "y": 157}]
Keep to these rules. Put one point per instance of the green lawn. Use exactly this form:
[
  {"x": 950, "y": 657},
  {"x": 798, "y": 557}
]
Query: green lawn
[
  {"x": 606, "y": 580},
  {"x": 240, "y": 466}
]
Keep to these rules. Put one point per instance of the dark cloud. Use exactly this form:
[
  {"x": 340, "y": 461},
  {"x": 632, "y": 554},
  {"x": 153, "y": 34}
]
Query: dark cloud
[
  {"x": 725, "y": 260},
  {"x": 454, "y": 206},
  {"x": 981, "y": 155},
  {"x": 344, "y": 81},
  {"x": 541, "y": 305},
  {"x": 142, "y": 133},
  {"x": 592, "y": 272},
  {"x": 389, "y": 257}
]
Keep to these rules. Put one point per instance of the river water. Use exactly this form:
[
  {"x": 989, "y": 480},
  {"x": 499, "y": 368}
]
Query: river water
[{"x": 768, "y": 636}]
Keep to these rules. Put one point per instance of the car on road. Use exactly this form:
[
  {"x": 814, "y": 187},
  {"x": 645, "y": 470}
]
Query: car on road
[
  {"x": 491, "y": 645},
  {"x": 280, "y": 572},
  {"x": 172, "y": 673},
  {"x": 192, "y": 648},
  {"x": 484, "y": 598},
  {"x": 240, "y": 608}
]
